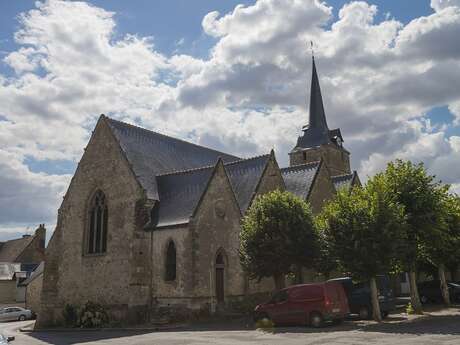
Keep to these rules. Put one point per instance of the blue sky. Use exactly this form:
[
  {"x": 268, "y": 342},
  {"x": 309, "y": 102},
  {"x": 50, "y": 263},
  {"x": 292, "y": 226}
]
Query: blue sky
[{"x": 389, "y": 81}]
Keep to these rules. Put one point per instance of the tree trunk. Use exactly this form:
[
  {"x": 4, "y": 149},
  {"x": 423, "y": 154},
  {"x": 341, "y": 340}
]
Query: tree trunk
[
  {"x": 376, "y": 314},
  {"x": 279, "y": 281},
  {"x": 298, "y": 275},
  {"x": 414, "y": 298},
  {"x": 444, "y": 289}
]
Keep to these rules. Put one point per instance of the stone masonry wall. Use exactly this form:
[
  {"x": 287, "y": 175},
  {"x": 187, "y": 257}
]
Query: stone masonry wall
[
  {"x": 215, "y": 228},
  {"x": 73, "y": 277},
  {"x": 336, "y": 159},
  {"x": 33, "y": 294},
  {"x": 322, "y": 189}
]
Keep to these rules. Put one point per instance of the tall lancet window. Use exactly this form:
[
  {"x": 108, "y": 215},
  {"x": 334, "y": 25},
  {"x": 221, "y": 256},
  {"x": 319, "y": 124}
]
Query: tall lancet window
[{"x": 97, "y": 229}]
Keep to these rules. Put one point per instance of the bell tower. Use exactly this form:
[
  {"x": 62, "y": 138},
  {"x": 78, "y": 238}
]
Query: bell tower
[{"x": 318, "y": 141}]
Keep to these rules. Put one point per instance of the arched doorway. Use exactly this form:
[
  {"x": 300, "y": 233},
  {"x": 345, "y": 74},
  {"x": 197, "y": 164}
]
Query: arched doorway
[{"x": 220, "y": 278}]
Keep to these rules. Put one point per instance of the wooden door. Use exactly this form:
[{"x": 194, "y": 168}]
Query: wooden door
[{"x": 220, "y": 284}]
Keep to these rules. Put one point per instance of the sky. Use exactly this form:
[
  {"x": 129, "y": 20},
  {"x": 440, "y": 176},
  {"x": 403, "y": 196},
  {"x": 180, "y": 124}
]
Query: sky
[{"x": 232, "y": 75}]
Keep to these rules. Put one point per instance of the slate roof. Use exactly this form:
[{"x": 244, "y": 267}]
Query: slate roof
[
  {"x": 180, "y": 192},
  {"x": 10, "y": 250},
  {"x": 179, "y": 195},
  {"x": 343, "y": 181},
  {"x": 244, "y": 177},
  {"x": 299, "y": 178},
  {"x": 35, "y": 274},
  {"x": 151, "y": 154},
  {"x": 7, "y": 270}
]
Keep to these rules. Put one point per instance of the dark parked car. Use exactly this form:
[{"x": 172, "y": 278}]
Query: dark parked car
[
  {"x": 359, "y": 296},
  {"x": 430, "y": 291},
  {"x": 306, "y": 304}
]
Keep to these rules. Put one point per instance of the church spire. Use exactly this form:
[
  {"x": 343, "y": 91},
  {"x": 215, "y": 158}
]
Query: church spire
[{"x": 317, "y": 115}]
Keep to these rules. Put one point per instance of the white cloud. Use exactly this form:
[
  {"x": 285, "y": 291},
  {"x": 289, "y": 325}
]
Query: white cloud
[
  {"x": 439, "y": 5},
  {"x": 379, "y": 79}
]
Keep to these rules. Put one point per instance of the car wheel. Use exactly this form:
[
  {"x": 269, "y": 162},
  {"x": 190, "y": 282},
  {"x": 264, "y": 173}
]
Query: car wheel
[
  {"x": 364, "y": 313},
  {"x": 263, "y": 320},
  {"x": 316, "y": 320},
  {"x": 424, "y": 299},
  {"x": 22, "y": 318}
]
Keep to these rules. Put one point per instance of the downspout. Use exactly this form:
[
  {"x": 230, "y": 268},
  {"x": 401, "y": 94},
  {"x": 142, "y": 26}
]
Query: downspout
[{"x": 150, "y": 226}]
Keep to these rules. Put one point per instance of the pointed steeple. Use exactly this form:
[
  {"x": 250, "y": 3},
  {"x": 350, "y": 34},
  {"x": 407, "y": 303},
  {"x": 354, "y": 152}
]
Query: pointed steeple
[
  {"x": 317, "y": 116},
  {"x": 316, "y": 132}
]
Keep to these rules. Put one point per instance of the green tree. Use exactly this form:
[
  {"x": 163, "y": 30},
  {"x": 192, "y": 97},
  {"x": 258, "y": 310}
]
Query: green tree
[
  {"x": 326, "y": 262},
  {"x": 442, "y": 247},
  {"x": 421, "y": 196},
  {"x": 277, "y": 235},
  {"x": 361, "y": 227}
]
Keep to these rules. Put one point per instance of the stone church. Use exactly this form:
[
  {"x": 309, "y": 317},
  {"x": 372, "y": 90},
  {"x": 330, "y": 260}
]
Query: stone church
[{"x": 152, "y": 221}]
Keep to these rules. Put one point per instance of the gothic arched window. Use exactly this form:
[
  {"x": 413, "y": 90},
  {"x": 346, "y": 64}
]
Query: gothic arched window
[
  {"x": 97, "y": 229},
  {"x": 170, "y": 267}
]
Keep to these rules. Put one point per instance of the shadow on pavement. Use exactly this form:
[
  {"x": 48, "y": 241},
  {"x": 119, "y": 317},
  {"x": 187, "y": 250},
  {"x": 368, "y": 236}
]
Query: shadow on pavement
[
  {"x": 435, "y": 325},
  {"x": 445, "y": 324},
  {"x": 78, "y": 337}
]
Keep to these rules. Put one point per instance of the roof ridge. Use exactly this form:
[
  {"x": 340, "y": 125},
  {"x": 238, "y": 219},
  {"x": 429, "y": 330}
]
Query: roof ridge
[
  {"x": 301, "y": 165},
  {"x": 166, "y": 136},
  {"x": 212, "y": 166},
  {"x": 343, "y": 175},
  {"x": 21, "y": 238},
  {"x": 177, "y": 172},
  {"x": 247, "y": 159}
]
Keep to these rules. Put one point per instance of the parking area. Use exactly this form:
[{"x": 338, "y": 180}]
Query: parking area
[{"x": 439, "y": 326}]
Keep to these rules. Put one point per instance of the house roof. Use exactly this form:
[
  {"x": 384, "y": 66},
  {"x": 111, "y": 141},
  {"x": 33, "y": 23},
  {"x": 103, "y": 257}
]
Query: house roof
[
  {"x": 7, "y": 270},
  {"x": 343, "y": 181},
  {"x": 299, "y": 178},
  {"x": 151, "y": 154},
  {"x": 35, "y": 274},
  {"x": 180, "y": 192},
  {"x": 11, "y": 250}
]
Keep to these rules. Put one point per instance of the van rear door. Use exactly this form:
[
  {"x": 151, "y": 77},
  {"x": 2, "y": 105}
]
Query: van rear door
[{"x": 336, "y": 301}]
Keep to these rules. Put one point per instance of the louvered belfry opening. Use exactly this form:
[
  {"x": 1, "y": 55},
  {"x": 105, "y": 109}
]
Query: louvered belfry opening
[{"x": 98, "y": 221}]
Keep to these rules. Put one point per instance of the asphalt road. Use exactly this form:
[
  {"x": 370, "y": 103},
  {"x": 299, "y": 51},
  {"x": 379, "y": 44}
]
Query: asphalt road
[{"x": 436, "y": 330}]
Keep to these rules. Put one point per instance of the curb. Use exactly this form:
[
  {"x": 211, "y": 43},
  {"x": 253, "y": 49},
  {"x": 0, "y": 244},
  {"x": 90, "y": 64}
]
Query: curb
[{"x": 123, "y": 329}]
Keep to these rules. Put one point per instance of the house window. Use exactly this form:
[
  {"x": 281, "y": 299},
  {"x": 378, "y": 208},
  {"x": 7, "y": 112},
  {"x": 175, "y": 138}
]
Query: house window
[
  {"x": 97, "y": 229},
  {"x": 170, "y": 273},
  {"x": 304, "y": 154}
]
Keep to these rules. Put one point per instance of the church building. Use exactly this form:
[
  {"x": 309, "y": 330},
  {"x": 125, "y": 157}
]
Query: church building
[{"x": 150, "y": 221}]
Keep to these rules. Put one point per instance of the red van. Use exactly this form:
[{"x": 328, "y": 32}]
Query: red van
[{"x": 306, "y": 304}]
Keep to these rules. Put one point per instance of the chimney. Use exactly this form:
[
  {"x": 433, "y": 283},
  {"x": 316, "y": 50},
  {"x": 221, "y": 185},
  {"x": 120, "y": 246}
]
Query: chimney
[{"x": 40, "y": 233}]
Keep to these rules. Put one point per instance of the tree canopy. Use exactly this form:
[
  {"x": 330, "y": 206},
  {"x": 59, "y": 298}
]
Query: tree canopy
[
  {"x": 361, "y": 227},
  {"x": 277, "y": 233}
]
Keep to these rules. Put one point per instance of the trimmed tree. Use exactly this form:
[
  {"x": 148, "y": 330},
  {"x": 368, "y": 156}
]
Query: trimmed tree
[
  {"x": 443, "y": 246},
  {"x": 421, "y": 196},
  {"x": 361, "y": 227},
  {"x": 277, "y": 235}
]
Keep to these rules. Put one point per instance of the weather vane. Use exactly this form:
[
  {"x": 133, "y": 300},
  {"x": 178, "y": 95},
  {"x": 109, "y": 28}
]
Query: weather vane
[{"x": 312, "y": 51}]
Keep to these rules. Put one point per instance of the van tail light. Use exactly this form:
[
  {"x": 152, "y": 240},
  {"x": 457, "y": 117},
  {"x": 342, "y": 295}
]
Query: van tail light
[{"x": 327, "y": 301}]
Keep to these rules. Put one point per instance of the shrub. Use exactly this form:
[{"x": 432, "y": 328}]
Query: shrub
[
  {"x": 70, "y": 314},
  {"x": 93, "y": 315}
]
